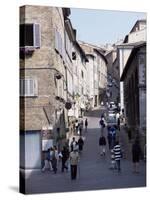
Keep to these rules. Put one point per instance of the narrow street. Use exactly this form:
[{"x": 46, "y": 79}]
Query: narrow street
[{"x": 93, "y": 170}]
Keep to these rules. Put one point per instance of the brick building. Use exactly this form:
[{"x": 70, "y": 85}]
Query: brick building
[{"x": 44, "y": 49}]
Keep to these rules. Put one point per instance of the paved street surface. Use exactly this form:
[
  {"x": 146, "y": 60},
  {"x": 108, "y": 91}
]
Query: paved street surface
[{"x": 93, "y": 172}]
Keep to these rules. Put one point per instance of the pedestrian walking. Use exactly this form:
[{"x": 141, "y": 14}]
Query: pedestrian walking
[
  {"x": 65, "y": 156},
  {"x": 53, "y": 158},
  {"x": 80, "y": 128},
  {"x": 102, "y": 124},
  {"x": 112, "y": 160},
  {"x": 47, "y": 162},
  {"x": 86, "y": 124},
  {"x": 118, "y": 155},
  {"x": 80, "y": 144},
  {"x": 76, "y": 126},
  {"x": 74, "y": 160},
  {"x": 74, "y": 144},
  {"x": 111, "y": 137},
  {"x": 136, "y": 152},
  {"x": 102, "y": 144}
]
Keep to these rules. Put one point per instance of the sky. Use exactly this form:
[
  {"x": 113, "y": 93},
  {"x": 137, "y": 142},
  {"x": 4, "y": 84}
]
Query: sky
[{"x": 101, "y": 26}]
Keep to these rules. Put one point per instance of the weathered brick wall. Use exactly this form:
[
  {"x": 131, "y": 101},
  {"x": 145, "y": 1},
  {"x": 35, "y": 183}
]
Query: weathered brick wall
[{"x": 36, "y": 66}]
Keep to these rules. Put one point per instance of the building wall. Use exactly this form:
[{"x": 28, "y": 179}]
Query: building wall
[
  {"x": 44, "y": 109},
  {"x": 123, "y": 55},
  {"x": 100, "y": 72},
  {"x": 90, "y": 80},
  {"x": 135, "y": 97},
  {"x": 142, "y": 87},
  {"x": 135, "y": 93},
  {"x": 80, "y": 81},
  {"x": 103, "y": 73},
  {"x": 137, "y": 36},
  {"x": 37, "y": 66}
]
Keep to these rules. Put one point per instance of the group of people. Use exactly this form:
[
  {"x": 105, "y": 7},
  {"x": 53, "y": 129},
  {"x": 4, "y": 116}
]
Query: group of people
[
  {"x": 116, "y": 152},
  {"x": 79, "y": 125},
  {"x": 51, "y": 159},
  {"x": 76, "y": 148},
  {"x": 70, "y": 154},
  {"x": 69, "y": 157}
]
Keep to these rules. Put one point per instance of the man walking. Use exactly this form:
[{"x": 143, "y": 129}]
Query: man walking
[
  {"x": 74, "y": 159},
  {"x": 65, "y": 156},
  {"x": 80, "y": 144},
  {"x": 74, "y": 144},
  {"x": 86, "y": 124}
]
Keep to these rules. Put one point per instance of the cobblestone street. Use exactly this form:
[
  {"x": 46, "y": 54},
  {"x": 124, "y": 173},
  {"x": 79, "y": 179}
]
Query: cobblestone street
[{"x": 93, "y": 170}]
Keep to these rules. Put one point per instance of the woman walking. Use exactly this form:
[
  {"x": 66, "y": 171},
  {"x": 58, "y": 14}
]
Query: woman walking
[{"x": 102, "y": 144}]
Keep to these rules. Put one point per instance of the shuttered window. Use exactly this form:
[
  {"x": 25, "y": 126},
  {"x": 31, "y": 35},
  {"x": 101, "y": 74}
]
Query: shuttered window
[
  {"x": 60, "y": 88},
  {"x": 59, "y": 45},
  {"x": 37, "y": 39},
  {"x": 68, "y": 46},
  {"x": 30, "y": 35},
  {"x": 28, "y": 87},
  {"x": 56, "y": 40}
]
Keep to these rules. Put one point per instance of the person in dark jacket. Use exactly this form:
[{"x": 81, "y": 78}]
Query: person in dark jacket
[
  {"x": 65, "y": 156},
  {"x": 53, "y": 158},
  {"x": 136, "y": 152},
  {"x": 86, "y": 124},
  {"x": 102, "y": 144},
  {"x": 80, "y": 143}
]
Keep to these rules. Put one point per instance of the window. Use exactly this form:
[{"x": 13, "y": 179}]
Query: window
[
  {"x": 30, "y": 35},
  {"x": 68, "y": 46},
  {"x": 59, "y": 44},
  {"x": 60, "y": 88},
  {"x": 28, "y": 87},
  {"x": 73, "y": 55}
]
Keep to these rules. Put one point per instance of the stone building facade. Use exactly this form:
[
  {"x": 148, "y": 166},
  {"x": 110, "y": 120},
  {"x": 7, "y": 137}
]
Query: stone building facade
[
  {"x": 43, "y": 81},
  {"x": 80, "y": 80},
  {"x": 98, "y": 72},
  {"x": 134, "y": 78},
  {"x": 136, "y": 35}
]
